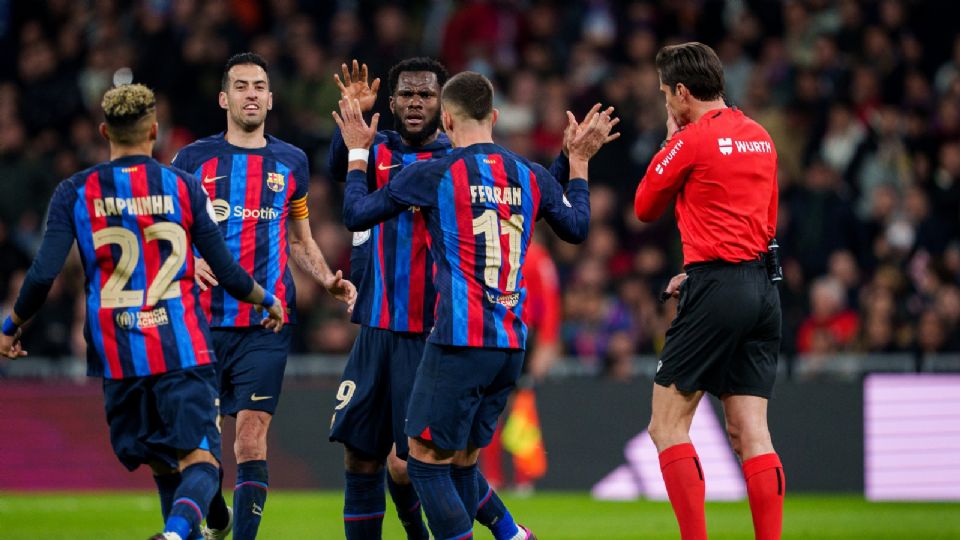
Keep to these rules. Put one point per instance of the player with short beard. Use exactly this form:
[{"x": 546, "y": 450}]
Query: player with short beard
[
  {"x": 395, "y": 310},
  {"x": 259, "y": 187}
]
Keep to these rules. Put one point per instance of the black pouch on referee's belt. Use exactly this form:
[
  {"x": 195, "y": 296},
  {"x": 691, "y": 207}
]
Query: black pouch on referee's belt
[{"x": 772, "y": 261}]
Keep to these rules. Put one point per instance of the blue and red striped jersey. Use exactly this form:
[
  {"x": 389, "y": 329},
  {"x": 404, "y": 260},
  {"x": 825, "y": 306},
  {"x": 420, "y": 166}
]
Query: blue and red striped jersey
[
  {"x": 480, "y": 204},
  {"x": 134, "y": 221},
  {"x": 390, "y": 263},
  {"x": 252, "y": 190}
]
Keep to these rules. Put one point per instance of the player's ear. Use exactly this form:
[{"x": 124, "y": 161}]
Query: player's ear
[
  {"x": 103, "y": 131},
  {"x": 494, "y": 116},
  {"x": 269, "y": 101},
  {"x": 447, "y": 120},
  {"x": 391, "y": 106},
  {"x": 222, "y": 99},
  {"x": 154, "y": 129}
]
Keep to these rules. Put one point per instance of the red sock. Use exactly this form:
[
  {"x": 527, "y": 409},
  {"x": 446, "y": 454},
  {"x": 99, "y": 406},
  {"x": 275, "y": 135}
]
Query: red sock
[
  {"x": 765, "y": 488},
  {"x": 685, "y": 487}
]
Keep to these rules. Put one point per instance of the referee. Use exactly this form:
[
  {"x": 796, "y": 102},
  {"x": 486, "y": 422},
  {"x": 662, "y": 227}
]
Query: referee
[{"x": 722, "y": 167}]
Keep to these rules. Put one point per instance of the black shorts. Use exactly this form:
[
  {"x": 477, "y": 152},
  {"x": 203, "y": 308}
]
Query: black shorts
[{"x": 726, "y": 336}]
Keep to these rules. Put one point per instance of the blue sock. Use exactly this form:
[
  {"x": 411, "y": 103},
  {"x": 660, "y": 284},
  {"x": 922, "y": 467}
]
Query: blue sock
[
  {"x": 408, "y": 509},
  {"x": 198, "y": 483},
  {"x": 491, "y": 512},
  {"x": 217, "y": 516},
  {"x": 363, "y": 506},
  {"x": 445, "y": 511},
  {"x": 249, "y": 498},
  {"x": 167, "y": 485},
  {"x": 465, "y": 480}
]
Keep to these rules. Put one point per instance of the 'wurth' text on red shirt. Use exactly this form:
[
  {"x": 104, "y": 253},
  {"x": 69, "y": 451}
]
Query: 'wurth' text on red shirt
[{"x": 723, "y": 170}]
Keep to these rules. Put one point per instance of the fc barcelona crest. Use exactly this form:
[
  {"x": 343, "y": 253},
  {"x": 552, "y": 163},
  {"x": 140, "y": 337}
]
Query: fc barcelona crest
[{"x": 275, "y": 181}]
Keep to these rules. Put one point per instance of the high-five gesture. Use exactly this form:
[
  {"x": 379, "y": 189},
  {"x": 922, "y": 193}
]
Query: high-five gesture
[
  {"x": 581, "y": 140},
  {"x": 354, "y": 129},
  {"x": 354, "y": 85}
]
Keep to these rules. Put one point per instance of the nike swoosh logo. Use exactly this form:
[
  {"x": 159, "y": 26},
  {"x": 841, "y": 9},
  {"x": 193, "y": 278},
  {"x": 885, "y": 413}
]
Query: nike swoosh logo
[
  {"x": 208, "y": 179},
  {"x": 382, "y": 168},
  {"x": 255, "y": 397}
]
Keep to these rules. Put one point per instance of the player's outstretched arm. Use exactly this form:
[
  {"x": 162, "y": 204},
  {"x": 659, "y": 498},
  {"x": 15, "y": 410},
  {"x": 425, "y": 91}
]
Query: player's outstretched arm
[
  {"x": 308, "y": 256},
  {"x": 361, "y": 210}
]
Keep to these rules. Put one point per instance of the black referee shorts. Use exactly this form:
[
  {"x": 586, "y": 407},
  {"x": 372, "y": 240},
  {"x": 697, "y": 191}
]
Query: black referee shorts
[{"x": 726, "y": 335}]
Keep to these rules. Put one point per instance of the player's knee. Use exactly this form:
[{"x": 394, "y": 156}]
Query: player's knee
[
  {"x": 198, "y": 456},
  {"x": 398, "y": 469},
  {"x": 250, "y": 447},
  {"x": 357, "y": 462}
]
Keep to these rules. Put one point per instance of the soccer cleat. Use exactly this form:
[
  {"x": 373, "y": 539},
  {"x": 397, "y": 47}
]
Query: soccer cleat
[
  {"x": 529, "y": 534},
  {"x": 219, "y": 534},
  {"x": 166, "y": 536}
]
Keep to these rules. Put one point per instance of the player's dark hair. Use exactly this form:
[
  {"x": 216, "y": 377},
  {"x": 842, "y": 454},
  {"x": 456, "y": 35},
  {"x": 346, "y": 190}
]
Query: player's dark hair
[
  {"x": 471, "y": 93},
  {"x": 419, "y": 63},
  {"x": 238, "y": 60},
  {"x": 693, "y": 64}
]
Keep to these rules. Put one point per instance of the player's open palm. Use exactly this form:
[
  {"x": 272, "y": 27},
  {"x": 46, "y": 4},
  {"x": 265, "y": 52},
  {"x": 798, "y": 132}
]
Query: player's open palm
[
  {"x": 342, "y": 289},
  {"x": 354, "y": 85},
  {"x": 585, "y": 138},
  {"x": 354, "y": 129}
]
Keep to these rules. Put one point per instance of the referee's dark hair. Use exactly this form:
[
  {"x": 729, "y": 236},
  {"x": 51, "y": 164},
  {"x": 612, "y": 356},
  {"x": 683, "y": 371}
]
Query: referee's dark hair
[
  {"x": 694, "y": 65},
  {"x": 471, "y": 93},
  {"x": 419, "y": 63},
  {"x": 240, "y": 59}
]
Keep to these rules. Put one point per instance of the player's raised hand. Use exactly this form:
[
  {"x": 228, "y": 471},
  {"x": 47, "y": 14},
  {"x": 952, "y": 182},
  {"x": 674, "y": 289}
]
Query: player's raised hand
[
  {"x": 354, "y": 85},
  {"x": 354, "y": 129},
  {"x": 342, "y": 289},
  {"x": 203, "y": 274},
  {"x": 586, "y": 138},
  {"x": 10, "y": 346}
]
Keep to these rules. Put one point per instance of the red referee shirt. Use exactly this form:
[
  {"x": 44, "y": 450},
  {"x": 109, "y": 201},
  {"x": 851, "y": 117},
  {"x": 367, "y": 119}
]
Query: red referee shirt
[{"x": 723, "y": 169}]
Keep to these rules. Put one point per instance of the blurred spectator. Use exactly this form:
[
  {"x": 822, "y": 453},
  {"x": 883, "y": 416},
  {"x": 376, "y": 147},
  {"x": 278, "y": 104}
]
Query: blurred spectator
[
  {"x": 861, "y": 98},
  {"x": 831, "y": 326}
]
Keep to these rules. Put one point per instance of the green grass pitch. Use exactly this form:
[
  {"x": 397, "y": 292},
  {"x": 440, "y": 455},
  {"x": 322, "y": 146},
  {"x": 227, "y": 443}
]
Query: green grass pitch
[{"x": 553, "y": 516}]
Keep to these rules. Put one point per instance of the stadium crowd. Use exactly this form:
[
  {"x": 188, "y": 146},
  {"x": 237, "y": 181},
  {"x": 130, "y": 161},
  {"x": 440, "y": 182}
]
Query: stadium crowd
[{"x": 862, "y": 99}]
